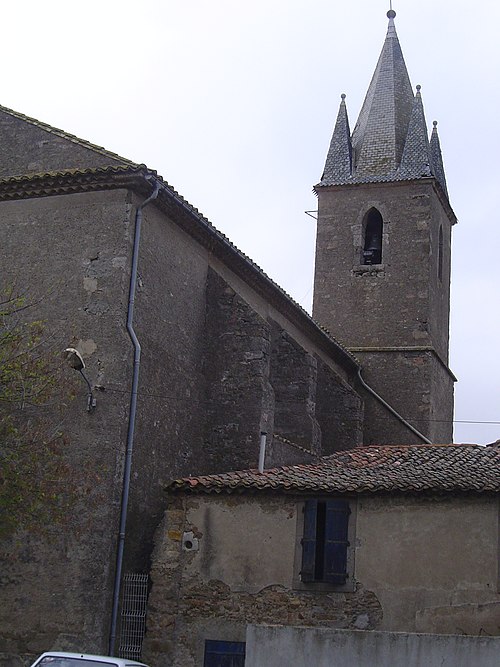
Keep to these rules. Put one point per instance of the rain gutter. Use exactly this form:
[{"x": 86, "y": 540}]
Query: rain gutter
[{"x": 131, "y": 418}]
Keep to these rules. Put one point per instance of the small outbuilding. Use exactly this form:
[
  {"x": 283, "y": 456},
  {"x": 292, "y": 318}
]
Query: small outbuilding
[{"x": 391, "y": 538}]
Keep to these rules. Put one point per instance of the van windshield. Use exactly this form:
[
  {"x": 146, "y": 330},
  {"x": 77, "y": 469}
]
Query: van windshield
[{"x": 55, "y": 661}]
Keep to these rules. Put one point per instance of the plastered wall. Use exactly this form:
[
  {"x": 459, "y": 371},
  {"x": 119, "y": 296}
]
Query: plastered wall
[{"x": 421, "y": 564}]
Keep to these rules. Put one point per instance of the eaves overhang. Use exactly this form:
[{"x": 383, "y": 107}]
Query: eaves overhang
[{"x": 395, "y": 469}]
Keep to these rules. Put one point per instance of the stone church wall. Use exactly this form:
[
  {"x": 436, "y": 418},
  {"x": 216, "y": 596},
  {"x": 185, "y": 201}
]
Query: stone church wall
[
  {"x": 32, "y": 147},
  {"x": 208, "y": 385},
  {"x": 239, "y": 398},
  {"x": 69, "y": 256}
]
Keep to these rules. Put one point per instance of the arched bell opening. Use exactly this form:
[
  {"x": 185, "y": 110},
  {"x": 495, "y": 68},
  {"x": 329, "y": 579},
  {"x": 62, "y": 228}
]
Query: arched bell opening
[{"x": 373, "y": 225}]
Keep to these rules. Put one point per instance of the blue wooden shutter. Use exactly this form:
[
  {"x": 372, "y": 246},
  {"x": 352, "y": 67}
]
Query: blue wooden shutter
[
  {"x": 336, "y": 543},
  {"x": 309, "y": 540}
]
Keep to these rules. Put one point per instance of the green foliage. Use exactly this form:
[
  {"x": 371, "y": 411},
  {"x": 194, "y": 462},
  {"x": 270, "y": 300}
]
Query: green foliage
[{"x": 32, "y": 467}]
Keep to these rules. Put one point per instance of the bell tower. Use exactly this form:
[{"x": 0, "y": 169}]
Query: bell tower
[{"x": 382, "y": 277}]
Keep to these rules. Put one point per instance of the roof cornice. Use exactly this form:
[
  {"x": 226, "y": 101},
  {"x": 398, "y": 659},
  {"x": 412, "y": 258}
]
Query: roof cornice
[{"x": 394, "y": 182}]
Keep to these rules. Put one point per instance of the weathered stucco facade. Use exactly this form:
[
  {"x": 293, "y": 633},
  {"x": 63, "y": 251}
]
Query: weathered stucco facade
[{"x": 421, "y": 562}]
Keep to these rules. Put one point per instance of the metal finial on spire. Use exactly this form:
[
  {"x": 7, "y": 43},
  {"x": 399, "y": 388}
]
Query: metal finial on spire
[
  {"x": 435, "y": 124},
  {"x": 391, "y": 14},
  {"x": 419, "y": 87},
  {"x": 343, "y": 96}
]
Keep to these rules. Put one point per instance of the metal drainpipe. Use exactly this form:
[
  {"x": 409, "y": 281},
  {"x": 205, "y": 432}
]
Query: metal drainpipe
[
  {"x": 392, "y": 411},
  {"x": 131, "y": 419}
]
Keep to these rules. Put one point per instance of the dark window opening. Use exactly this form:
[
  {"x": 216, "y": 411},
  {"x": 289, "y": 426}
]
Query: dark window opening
[
  {"x": 440, "y": 254},
  {"x": 325, "y": 543},
  {"x": 224, "y": 654},
  {"x": 372, "y": 246}
]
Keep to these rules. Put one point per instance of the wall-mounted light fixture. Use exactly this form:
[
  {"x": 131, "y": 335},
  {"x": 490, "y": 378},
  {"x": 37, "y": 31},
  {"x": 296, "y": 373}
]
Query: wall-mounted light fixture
[{"x": 75, "y": 360}]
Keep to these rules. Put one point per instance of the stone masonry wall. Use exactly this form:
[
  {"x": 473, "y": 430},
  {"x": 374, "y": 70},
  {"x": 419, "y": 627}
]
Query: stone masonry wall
[
  {"x": 169, "y": 322},
  {"x": 339, "y": 410},
  {"x": 30, "y": 148},
  {"x": 188, "y": 604},
  {"x": 378, "y": 311},
  {"x": 56, "y": 578},
  {"x": 259, "y": 378},
  {"x": 205, "y": 393},
  {"x": 294, "y": 381},
  {"x": 239, "y": 398},
  {"x": 387, "y": 304},
  {"x": 425, "y": 399}
]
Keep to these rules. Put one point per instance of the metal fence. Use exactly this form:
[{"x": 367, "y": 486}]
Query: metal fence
[{"x": 133, "y": 615}]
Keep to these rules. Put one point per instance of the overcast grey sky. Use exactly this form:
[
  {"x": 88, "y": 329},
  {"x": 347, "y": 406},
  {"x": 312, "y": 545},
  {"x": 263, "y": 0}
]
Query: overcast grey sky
[{"x": 234, "y": 102}]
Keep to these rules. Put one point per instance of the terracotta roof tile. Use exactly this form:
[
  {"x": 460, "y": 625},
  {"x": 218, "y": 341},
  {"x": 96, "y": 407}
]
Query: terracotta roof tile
[{"x": 413, "y": 468}]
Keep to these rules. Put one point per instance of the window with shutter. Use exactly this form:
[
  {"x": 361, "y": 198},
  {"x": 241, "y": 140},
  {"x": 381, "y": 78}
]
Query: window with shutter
[
  {"x": 325, "y": 542},
  {"x": 336, "y": 541},
  {"x": 309, "y": 541}
]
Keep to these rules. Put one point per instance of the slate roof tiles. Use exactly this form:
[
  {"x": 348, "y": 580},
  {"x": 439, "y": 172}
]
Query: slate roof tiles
[
  {"x": 385, "y": 468},
  {"x": 390, "y": 140}
]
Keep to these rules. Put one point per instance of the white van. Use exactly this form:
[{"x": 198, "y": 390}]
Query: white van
[{"x": 60, "y": 659}]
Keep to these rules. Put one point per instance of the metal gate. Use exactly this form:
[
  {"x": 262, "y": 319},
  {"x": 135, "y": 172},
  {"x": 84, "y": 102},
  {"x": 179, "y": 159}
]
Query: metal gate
[{"x": 133, "y": 616}]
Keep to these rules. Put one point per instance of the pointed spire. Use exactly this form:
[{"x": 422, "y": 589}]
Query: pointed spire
[
  {"x": 379, "y": 136},
  {"x": 416, "y": 161},
  {"x": 437, "y": 158},
  {"x": 339, "y": 159},
  {"x": 389, "y": 141}
]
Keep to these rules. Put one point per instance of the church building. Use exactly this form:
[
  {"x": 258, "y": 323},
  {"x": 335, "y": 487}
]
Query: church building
[{"x": 199, "y": 364}]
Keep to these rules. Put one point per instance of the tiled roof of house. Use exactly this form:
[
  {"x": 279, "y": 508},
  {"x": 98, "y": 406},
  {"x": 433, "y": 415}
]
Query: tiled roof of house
[
  {"x": 389, "y": 141},
  {"x": 387, "y": 468}
]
